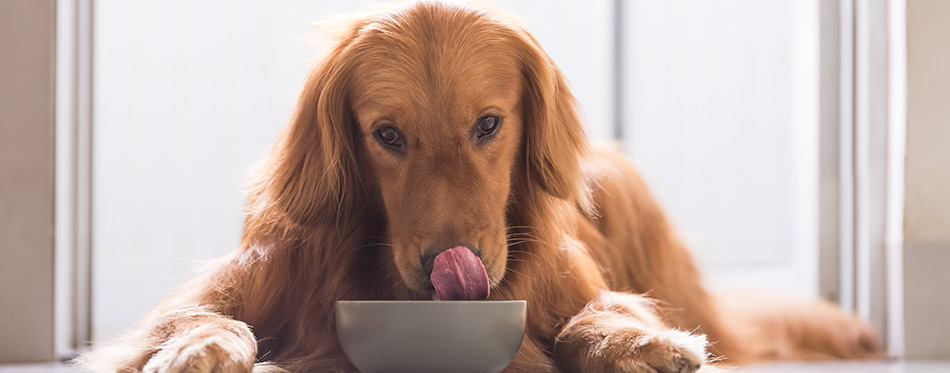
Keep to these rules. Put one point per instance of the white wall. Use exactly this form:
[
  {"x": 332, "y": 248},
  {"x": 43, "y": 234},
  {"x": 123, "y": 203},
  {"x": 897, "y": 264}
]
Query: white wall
[{"x": 188, "y": 94}]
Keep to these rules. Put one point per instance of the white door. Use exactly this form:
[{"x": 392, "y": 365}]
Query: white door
[{"x": 720, "y": 109}]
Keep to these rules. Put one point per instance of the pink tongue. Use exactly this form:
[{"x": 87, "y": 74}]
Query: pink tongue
[{"x": 458, "y": 274}]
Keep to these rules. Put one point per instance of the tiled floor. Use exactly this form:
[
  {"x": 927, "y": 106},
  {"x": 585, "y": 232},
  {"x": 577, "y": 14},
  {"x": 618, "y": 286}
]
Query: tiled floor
[
  {"x": 853, "y": 367},
  {"x": 824, "y": 367}
]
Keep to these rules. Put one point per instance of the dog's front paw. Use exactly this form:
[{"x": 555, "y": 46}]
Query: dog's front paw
[
  {"x": 669, "y": 351},
  {"x": 615, "y": 347},
  {"x": 209, "y": 348}
]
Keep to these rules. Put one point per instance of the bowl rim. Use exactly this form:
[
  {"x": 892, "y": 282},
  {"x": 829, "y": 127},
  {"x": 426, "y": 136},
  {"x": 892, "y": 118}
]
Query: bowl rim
[{"x": 432, "y": 301}]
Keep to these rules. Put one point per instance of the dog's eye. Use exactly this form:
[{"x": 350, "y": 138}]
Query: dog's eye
[
  {"x": 487, "y": 125},
  {"x": 389, "y": 137}
]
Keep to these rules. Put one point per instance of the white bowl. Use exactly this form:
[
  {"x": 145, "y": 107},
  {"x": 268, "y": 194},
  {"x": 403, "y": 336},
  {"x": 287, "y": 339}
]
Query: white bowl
[{"x": 430, "y": 336}]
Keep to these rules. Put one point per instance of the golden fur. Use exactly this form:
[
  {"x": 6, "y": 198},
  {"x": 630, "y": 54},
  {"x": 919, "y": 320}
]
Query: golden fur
[{"x": 334, "y": 215}]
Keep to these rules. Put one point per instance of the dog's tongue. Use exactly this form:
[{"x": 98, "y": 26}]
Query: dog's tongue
[{"x": 458, "y": 274}]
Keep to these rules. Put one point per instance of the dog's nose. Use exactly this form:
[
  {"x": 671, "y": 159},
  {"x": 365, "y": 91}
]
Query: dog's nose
[{"x": 428, "y": 259}]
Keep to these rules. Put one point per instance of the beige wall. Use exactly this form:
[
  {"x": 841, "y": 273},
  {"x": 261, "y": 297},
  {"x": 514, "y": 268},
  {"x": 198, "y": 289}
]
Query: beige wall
[
  {"x": 928, "y": 141},
  {"x": 27, "y": 42},
  {"x": 927, "y": 210}
]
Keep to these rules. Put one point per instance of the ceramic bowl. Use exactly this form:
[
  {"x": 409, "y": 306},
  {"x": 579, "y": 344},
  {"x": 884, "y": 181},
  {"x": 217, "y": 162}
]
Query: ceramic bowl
[{"x": 430, "y": 336}]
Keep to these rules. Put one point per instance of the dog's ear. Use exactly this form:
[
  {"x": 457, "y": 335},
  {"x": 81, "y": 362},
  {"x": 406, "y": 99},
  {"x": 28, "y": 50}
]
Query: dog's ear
[
  {"x": 554, "y": 139},
  {"x": 312, "y": 172}
]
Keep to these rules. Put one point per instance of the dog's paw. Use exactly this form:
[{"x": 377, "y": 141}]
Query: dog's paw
[
  {"x": 206, "y": 349},
  {"x": 623, "y": 348},
  {"x": 669, "y": 351}
]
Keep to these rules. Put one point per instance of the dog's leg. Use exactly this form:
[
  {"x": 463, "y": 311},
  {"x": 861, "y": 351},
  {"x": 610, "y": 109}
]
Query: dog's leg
[{"x": 621, "y": 332}]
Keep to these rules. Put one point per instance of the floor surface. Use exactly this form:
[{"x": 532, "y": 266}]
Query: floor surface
[
  {"x": 852, "y": 367},
  {"x": 823, "y": 367}
]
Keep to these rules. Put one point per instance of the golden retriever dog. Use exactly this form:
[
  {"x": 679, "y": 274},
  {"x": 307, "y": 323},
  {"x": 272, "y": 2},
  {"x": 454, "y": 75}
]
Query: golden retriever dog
[{"x": 438, "y": 126}]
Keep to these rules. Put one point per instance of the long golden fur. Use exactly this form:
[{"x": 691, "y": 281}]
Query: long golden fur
[{"x": 337, "y": 214}]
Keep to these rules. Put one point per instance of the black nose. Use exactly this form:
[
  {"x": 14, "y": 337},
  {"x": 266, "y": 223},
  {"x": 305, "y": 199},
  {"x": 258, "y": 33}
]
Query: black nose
[{"x": 428, "y": 259}]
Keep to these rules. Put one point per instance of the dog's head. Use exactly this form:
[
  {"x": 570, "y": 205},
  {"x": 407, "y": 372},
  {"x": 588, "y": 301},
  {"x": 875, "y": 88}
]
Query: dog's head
[{"x": 436, "y": 116}]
